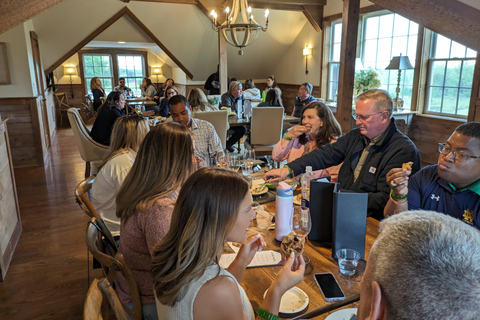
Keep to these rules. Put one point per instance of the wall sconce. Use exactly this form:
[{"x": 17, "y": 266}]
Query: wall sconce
[
  {"x": 157, "y": 71},
  {"x": 307, "y": 52},
  {"x": 71, "y": 71}
]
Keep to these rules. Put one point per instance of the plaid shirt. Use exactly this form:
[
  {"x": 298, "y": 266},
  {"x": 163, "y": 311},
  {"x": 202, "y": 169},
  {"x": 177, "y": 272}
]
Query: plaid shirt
[{"x": 207, "y": 142}]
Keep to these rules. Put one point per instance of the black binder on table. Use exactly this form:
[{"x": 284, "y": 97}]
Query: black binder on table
[
  {"x": 321, "y": 208},
  {"x": 349, "y": 221}
]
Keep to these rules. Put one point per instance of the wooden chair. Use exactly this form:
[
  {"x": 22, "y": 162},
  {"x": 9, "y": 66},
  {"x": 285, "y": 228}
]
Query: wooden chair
[
  {"x": 88, "y": 110},
  {"x": 219, "y": 120},
  {"x": 101, "y": 245},
  {"x": 90, "y": 150},
  {"x": 61, "y": 101},
  {"x": 266, "y": 129},
  {"x": 99, "y": 294},
  {"x": 83, "y": 197}
]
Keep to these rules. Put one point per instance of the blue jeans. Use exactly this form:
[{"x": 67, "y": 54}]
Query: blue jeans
[{"x": 149, "y": 311}]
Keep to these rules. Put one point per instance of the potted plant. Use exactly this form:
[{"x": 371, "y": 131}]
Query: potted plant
[{"x": 366, "y": 79}]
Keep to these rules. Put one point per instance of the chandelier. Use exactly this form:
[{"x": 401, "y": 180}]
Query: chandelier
[{"x": 239, "y": 22}]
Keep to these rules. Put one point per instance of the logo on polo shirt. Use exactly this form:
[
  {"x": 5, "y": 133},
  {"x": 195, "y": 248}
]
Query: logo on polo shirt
[
  {"x": 468, "y": 216},
  {"x": 433, "y": 197},
  {"x": 372, "y": 170}
]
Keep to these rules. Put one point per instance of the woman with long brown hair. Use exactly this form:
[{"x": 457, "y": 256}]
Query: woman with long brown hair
[
  {"x": 128, "y": 132},
  {"x": 318, "y": 127},
  {"x": 189, "y": 283},
  {"x": 148, "y": 89},
  {"x": 145, "y": 203}
]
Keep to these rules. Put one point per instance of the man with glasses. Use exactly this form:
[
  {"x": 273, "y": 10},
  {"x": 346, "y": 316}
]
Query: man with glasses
[
  {"x": 368, "y": 153},
  {"x": 452, "y": 186}
]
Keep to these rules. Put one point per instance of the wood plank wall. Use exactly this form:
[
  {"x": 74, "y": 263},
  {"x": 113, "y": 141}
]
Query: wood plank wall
[
  {"x": 27, "y": 131},
  {"x": 427, "y": 132}
]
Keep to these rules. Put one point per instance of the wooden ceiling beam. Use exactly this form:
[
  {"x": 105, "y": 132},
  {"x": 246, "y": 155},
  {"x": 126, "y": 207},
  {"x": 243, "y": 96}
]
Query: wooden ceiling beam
[
  {"x": 314, "y": 15},
  {"x": 275, "y": 6},
  {"x": 450, "y": 18},
  {"x": 298, "y": 2}
]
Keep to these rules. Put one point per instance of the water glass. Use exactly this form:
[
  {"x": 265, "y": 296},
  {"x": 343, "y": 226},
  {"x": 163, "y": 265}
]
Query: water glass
[{"x": 347, "y": 261}]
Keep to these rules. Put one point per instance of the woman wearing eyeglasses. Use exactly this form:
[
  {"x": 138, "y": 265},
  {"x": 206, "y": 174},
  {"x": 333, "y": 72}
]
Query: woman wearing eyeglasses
[
  {"x": 318, "y": 127},
  {"x": 163, "y": 104},
  {"x": 452, "y": 186},
  {"x": 128, "y": 133}
]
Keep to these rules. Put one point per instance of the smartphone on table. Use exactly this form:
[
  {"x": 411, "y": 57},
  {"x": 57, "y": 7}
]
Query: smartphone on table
[{"x": 329, "y": 287}]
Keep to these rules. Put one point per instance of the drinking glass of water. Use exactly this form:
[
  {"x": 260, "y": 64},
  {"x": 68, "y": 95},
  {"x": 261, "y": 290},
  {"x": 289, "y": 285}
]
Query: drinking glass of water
[{"x": 347, "y": 261}]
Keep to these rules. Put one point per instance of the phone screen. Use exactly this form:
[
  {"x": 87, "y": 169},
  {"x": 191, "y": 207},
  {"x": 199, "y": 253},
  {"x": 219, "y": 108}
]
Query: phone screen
[{"x": 329, "y": 286}]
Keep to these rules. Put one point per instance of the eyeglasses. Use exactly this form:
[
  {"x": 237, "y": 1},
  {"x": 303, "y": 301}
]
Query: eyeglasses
[
  {"x": 458, "y": 156},
  {"x": 362, "y": 117}
]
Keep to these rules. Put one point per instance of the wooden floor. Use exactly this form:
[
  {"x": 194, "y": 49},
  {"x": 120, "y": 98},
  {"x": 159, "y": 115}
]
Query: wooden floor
[{"x": 47, "y": 278}]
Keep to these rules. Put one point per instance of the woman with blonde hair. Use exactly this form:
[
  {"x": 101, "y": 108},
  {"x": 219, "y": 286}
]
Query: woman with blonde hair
[
  {"x": 188, "y": 281},
  {"x": 128, "y": 132},
  {"x": 145, "y": 204},
  {"x": 97, "y": 92},
  {"x": 198, "y": 102},
  {"x": 318, "y": 127}
]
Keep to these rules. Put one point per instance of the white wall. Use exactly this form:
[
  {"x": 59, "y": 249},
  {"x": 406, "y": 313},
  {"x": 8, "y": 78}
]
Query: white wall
[{"x": 18, "y": 63}]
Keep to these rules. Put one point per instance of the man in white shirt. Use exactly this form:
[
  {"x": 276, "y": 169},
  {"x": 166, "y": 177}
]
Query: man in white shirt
[{"x": 207, "y": 143}]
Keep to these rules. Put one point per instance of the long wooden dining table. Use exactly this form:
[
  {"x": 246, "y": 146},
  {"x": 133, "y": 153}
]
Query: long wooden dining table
[
  {"x": 256, "y": 280},
  {"x": 234, "y": 121}
]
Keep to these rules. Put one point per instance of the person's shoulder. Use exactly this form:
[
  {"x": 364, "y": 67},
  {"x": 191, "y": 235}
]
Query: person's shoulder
[{"x": 219, "y": 298}]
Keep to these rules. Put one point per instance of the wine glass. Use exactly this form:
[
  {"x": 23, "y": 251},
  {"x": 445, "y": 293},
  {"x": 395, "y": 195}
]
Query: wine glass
[
  {"x": 301, "y": 224},
  {"x": 223, "y": 160},
  {"x": 236, "y": 162},
  {"x": 249, "y": 157}
]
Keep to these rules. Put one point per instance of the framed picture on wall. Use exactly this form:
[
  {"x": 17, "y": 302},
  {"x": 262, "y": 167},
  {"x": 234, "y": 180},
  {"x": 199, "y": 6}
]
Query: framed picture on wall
[{"x": 4, "y": 70}]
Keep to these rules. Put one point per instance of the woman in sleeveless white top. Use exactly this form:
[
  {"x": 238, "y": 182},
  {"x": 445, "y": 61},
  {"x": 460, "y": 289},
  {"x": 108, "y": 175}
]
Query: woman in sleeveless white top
[
  {"x": 188, "y": 282},
  {"x": 184, "y": 308}
]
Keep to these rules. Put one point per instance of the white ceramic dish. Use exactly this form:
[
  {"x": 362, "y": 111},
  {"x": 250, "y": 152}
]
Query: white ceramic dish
[
  {"x": 293, "y": 301},
  {"x": 263, "y": 190},
  {"x": 344, "y": 314}
]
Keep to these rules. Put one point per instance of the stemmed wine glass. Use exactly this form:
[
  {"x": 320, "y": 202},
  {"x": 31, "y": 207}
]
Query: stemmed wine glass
[
  {"x": 301, "y": 224},
  {"x": 249, "y": 158},
  {"x": 223, "y": 160},
  {"x": 236, "y": 162}
]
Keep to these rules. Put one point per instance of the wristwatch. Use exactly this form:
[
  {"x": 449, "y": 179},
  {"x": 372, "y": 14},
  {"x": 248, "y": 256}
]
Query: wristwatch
[{"x": 286, "y": 137}]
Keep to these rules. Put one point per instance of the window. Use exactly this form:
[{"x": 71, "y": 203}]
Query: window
[
  {"x": 111, "y": 64},
  {"x": 450, "y": 76},
  {"x": 334, "y": 61},
  {"x": 98, "y": 65},
  {"x": 384, "y": 37},
  {"x": 131, "y": 68}
]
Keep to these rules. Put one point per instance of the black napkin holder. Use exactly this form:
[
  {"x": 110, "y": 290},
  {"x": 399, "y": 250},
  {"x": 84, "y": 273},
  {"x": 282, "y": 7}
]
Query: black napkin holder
[
  {"x": 321, "y": 208},
  {"x": 349, "y": 221}
]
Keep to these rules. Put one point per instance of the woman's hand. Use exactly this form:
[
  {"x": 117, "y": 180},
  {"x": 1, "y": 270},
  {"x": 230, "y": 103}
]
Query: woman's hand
[
  {"x": 252, "y": 245},
  {"x": 148, "y": 113},
  {"x": 291, "y": 274},
  {"x": 397, "y": 179},
  {"x": 296, "y": 131}
]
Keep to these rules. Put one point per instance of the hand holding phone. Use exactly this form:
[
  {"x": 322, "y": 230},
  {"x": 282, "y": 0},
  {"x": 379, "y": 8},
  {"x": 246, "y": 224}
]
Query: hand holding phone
[{"x": 329, "y": 287}]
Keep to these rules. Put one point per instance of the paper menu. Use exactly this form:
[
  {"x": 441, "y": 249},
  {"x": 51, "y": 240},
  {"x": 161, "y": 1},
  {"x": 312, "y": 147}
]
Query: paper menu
[{"x": 262, "y": 259}]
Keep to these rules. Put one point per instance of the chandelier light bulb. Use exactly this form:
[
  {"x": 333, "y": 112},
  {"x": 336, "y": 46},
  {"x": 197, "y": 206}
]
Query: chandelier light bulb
[
  {"x": 227, "y": 10},
  {"x": 266, "y": 13},
  {"x": 249, "y": 10}
]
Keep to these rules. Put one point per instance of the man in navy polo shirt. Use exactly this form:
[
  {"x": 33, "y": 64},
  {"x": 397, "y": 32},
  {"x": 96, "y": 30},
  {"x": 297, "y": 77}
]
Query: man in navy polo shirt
[{"x": 452, "y": 186}]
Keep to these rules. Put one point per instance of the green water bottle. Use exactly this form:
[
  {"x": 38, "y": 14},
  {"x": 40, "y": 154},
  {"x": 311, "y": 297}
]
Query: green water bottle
[{"x": 264, "y": 96}]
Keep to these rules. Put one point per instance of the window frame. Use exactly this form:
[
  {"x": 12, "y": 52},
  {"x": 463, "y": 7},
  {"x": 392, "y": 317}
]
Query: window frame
[
  {"x": 113, "y": 53},
  {"x": 427, "y": 85}
]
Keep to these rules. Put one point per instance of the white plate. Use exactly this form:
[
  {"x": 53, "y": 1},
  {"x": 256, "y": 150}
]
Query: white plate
[
  {"x": 296, "y": 201},
  {"x": 344, "y": 314},
  {"x": 262, "y": 191},
  {"x": 293, "y": 301}
]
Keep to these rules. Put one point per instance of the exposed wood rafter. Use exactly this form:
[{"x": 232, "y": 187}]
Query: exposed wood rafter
[
  {"x": 314, "y": 15},
  {"x": 451, "y": 18},
  {"x": 123, "y": 12}
]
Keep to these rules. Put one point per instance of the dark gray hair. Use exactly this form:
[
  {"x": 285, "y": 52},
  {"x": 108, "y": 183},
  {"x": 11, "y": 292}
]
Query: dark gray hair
[
  {"x": 383, "y": 101},
  {"x": 428, "y": 266}
]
